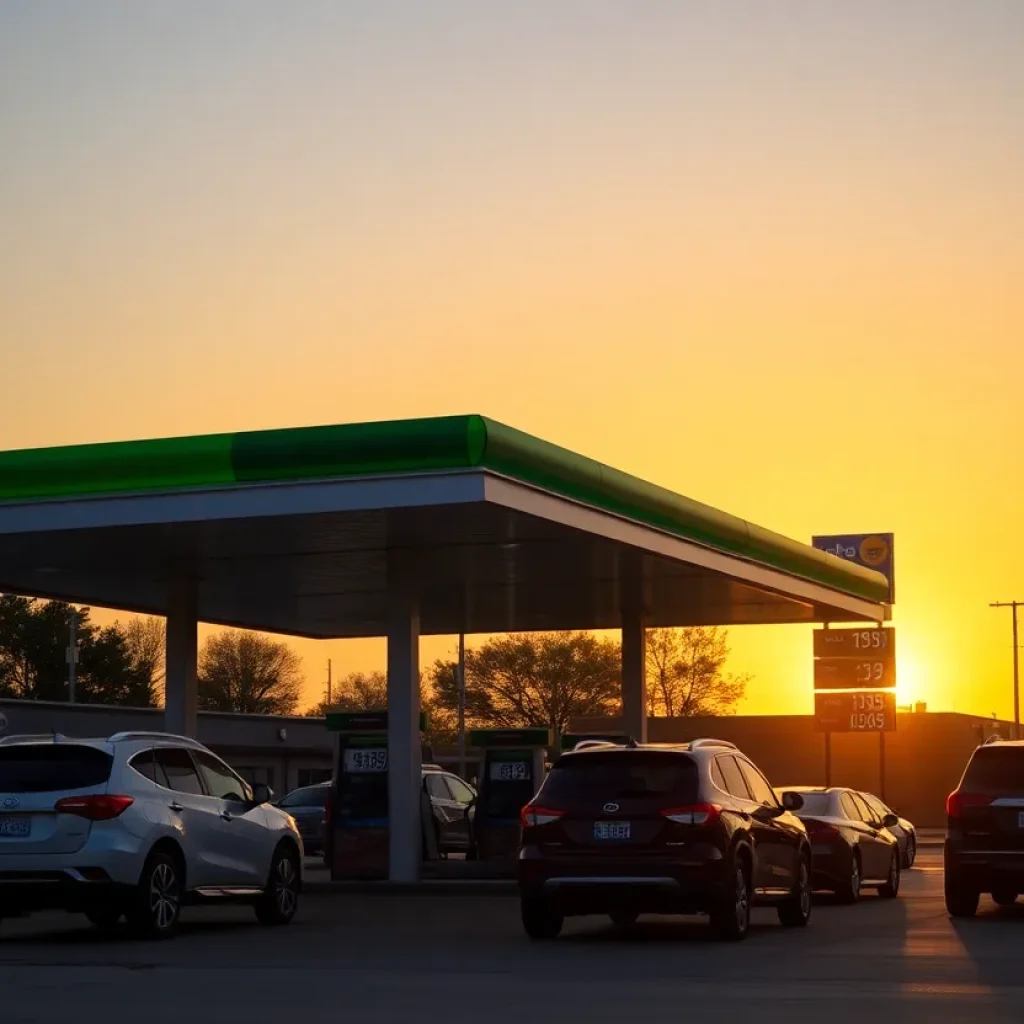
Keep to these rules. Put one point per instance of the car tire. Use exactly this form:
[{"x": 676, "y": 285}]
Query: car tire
[
  {"x": 891, "y": 889},
  {"x": 155, "y": 906},
  {"x": 849, "y": 891},
  {"x": 280, "y": 899},
  {"x": 541, "y": 917},
  {"x": 1004, "y": 897},
  {"x": 624, "y": 918},
  {"x": 911, "y": 854},
  {"x": 105, "y": 918},
  {"x": 730, "y": 917},
  {"x": 961, "y": 900},
  {"x": 796, "y": 911}
]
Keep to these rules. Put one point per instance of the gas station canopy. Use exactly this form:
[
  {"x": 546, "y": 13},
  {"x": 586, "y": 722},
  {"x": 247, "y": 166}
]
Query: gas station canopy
[{"x": 293, "y": 531}]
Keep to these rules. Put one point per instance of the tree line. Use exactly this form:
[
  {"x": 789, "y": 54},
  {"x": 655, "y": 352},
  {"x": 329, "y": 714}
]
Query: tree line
[
  {"x": 548, "y": 679},
  {"x": 124, "y": 663},
  {"x": 525, "y": 679}
]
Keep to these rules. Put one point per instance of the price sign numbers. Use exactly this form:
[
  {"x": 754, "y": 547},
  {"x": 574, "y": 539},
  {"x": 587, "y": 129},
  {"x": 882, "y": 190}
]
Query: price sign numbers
[
  {"x": 366, "y": 759},
  {"x": 509, "y": 771}
]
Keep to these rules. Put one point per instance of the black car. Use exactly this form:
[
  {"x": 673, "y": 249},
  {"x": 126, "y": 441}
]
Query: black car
[
  {"x": 306, "y": 806},
  {"x": 644, "y": 828},
  {"x": 851, "y": 842},
  {"x": 984, "y": 847}
]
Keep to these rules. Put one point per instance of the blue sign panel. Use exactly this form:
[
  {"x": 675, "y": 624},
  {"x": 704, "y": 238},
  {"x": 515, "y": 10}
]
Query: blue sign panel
[{"x": 872, "y": 550}]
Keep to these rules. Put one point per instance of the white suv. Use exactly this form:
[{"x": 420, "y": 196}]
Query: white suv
[{"x": 138, "y": 825}]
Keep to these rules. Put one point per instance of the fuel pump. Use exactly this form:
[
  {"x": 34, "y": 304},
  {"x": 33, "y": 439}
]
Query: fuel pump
[
  {"x": 356, "y": 844},
  {"x": 512, "y": 771}
]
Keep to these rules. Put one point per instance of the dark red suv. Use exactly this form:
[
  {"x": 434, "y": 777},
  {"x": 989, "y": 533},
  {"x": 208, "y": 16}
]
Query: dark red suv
[{"x": 689, "y": 828}]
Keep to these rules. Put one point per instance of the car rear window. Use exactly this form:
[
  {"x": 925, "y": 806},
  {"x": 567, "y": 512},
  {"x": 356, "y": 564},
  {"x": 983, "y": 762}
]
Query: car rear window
[
  {"x": 996, "y": 769},
  {"x": 622, "y": 775},
  {"x": 52, "y": 768},
  {"x": 816, "y": 805},
  {"x": 311, "y": 796}
]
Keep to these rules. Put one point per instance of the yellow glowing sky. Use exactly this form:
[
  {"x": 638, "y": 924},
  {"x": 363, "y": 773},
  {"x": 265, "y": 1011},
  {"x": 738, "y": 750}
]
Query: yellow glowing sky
[{"x": 768, "y": 255}]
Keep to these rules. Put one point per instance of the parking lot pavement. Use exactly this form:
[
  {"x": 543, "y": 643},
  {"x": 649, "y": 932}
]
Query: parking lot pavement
[{"x": 458, "y": 958}]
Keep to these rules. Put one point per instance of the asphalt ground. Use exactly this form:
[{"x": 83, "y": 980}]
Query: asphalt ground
[{"x": 454, "y": 958}]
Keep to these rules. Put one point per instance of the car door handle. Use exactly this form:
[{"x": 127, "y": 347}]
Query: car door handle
[{"x": 176, "y": 807}]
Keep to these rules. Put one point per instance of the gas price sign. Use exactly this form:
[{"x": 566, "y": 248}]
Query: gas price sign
[
  {"x": 366, "y": 759},
  {"x": 855, "y": 659},
  {"x": 867, "y": 711}
]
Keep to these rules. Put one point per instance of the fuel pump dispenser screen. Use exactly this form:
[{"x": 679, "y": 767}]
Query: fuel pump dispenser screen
[
  {"x": 366, "y": 759},
  {"x": 510, "y": 771}
]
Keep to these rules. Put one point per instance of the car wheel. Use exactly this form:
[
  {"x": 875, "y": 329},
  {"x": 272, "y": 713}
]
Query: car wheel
[
  {"x": 106, "y": 919},
  {"x": 850, "y": 891},
  {"x": 156, "y": 904},
  {"x": 730, "y": 919},
  {"x": 961, "y": 900},
  {"x": 1004, "y": 897},
  {"x": 541, "y": 918},
  {"x": 891, "y": 889},
  {"x": 280, "y": 899},
  {"x": 911, "y": 853},
  {"x": 796, "y": 911},
  {"x": 624, "y": 918}
]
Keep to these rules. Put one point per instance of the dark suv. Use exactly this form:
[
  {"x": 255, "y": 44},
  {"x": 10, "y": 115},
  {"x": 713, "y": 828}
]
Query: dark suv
[
  {"x": 984, "y": 848},
  {"x": 680, "y": 829}
]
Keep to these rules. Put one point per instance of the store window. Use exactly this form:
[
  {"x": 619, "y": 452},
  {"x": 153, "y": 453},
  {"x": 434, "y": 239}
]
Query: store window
[
  {"x": 255, "y": 775},
  {"x": 311, "y": 776}
]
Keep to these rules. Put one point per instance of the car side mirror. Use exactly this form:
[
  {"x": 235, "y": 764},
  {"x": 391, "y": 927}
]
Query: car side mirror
[
  {"x": 889, "y": 820},
  {"x": 262, "y": 794},
  {"x": 792, "y": 801}
]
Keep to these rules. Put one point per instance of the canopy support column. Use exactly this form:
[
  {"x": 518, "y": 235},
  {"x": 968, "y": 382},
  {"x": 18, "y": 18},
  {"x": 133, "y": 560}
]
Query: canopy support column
[
  {"x": 405, "y": 765},
  {"x": 181, "y": 679},
  {"x": 634, "y": 659}
]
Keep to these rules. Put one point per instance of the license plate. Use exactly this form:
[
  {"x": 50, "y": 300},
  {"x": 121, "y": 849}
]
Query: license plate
[
  {"x": 611, "y": 829},
  {"x": 15, "y": 825}
]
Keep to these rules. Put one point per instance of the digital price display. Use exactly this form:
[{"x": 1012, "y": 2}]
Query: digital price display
[
  {"x": 509, "y": 771},
  {"x": 365, "y": 760},
  {"x": 866, "y": 711}
]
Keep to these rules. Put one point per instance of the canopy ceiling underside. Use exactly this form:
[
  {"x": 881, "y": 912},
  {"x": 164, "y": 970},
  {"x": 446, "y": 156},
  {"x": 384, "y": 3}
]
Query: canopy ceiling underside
[{"x": 483, "y": 568}]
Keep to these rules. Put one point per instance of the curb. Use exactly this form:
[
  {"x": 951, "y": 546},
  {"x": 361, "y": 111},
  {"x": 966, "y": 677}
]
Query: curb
[{"x": 428, "y": 887}]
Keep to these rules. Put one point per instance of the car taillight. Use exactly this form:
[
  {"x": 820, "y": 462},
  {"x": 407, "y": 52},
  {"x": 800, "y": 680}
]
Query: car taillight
[
  {"x": 532, "y": 815},
  {"x": 101, "y": 807},
  {"x": 695, "y": 814},
  {"x": 957, "y": 802}
]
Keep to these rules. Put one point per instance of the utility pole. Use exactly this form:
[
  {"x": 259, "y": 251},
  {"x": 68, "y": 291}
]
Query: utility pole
[
  {"x": 1013, "y": 606},
  {"x": 329, "y": 694},
  {"x": 72, "y": 654},
  {"x": 461, "y": 681}
]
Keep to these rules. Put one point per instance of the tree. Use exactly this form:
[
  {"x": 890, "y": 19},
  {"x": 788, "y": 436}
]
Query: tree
[
  {"x": 249, "y": 674},
  {"x": 146, "y": 644},
  {"x": 34, "y": 637},
  {"x": 685, "y": 676},
  {"x": 538, "y": 679}
]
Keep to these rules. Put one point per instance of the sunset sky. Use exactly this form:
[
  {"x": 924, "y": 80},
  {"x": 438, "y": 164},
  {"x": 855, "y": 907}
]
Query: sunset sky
[{"x": 770, "y": 255}]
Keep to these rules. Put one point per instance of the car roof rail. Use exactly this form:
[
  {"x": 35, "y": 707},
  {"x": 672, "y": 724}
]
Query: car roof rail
[
  {"x": 710, "y": 741},
  {"x": 31, "y": 737},
  {"x": 591, "y": 744},
  {"x": 166, "y": 737}
]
